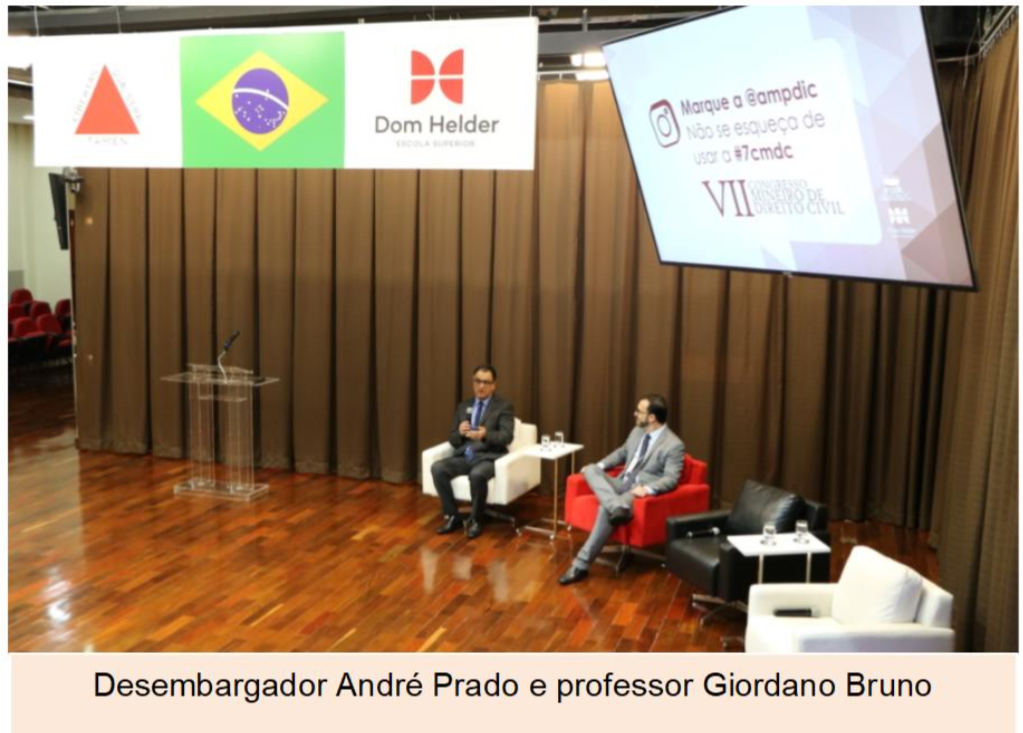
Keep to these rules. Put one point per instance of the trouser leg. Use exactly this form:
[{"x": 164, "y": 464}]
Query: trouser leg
[
  {"x": 479, "y": 484},
  {"x": 608, "y": 489},
  {"x": 443, "y": 472},
  {"x": 595, "y": 542}
]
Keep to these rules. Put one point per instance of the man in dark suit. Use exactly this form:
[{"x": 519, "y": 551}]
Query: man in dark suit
[
  {"x": 483, "y": 427},
  {"x": 652, "y": 456}
]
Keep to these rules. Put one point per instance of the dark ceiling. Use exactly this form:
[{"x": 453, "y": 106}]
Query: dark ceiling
[
  {"x": 955, "y": 31},
  {"x": 25, "y": 19}
]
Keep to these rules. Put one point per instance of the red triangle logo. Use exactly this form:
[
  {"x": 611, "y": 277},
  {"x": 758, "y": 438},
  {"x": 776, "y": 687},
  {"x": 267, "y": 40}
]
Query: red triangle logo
[{"x": 107, "y": 114}]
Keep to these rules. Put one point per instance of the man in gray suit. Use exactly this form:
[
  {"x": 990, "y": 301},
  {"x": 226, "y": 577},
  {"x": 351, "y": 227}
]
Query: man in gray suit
[{"x": 653, "y": 457}]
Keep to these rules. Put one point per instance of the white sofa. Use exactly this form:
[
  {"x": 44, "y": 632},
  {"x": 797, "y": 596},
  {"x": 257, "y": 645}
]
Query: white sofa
[
  {"x": 514, "y": 474},
  {"x": 878, "y": 605}
]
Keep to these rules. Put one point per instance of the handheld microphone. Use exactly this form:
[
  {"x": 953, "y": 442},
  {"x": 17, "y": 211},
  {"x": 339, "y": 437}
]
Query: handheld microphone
[{"x": 712, "y": 532}]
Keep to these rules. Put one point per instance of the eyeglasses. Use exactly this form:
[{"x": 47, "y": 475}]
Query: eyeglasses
[
  {"x": 641, "y": 412},
  {"x": 484, "y": 382}
]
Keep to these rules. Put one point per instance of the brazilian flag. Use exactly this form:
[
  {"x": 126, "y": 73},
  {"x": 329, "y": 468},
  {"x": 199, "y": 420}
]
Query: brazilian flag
[{"x": 265, "y": 101}]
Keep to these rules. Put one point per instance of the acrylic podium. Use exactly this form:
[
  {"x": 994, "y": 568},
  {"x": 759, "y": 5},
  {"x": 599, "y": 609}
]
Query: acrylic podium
[{"x": 228, "y": 391}]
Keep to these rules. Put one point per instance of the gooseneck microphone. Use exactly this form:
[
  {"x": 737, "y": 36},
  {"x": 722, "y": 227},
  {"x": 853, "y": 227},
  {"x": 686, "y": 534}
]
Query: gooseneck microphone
[
  {"x": 231, "y": 339},
  {"x": 223, "y": 352}
]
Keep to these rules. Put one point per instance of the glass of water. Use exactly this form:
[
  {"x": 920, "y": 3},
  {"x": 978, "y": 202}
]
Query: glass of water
[
  {"x": 770, "y": 534},
  {"x": 545, "y": 442},
  {"x": 802, "y": 532},
  {"x": 559, "y": 439}
]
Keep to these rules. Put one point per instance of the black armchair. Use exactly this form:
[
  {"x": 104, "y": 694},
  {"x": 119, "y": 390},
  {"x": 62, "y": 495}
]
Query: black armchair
[{"x": 698, "y": 550}]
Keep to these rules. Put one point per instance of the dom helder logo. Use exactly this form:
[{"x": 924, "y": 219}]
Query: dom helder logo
[
  {"x": 459, "y": 130},
  {"x": 452, "y": 71}
]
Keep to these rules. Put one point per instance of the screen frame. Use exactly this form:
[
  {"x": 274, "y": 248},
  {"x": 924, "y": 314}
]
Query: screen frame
[{"x": 975, "y": 287}]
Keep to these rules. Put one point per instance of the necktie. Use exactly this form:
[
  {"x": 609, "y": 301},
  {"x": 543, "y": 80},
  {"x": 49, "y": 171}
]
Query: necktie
[
  {"x": 642, "y": 448},
  {"x": 476, "y": 414},
  {"x": 630, "y": 475}
]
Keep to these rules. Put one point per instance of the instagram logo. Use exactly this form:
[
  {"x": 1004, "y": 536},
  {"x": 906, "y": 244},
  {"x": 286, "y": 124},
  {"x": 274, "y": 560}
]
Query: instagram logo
[{"x": 662, "y": 117}]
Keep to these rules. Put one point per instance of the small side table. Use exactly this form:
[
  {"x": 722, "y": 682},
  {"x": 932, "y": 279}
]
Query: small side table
[
  {"x": 750, "y": 545},
  {"x": 552, "y": 453}
]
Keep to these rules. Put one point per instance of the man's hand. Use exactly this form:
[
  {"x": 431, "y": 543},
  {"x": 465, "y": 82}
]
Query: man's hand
[
  {"x": 640, "y": 491},
  {"x": 465, "y": 427},
  {"x": 479, "y": 434}
]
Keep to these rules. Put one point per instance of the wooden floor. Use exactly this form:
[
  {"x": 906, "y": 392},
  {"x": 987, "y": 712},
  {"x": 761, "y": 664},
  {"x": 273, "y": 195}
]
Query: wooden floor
[{"x": 104, "y": 557}]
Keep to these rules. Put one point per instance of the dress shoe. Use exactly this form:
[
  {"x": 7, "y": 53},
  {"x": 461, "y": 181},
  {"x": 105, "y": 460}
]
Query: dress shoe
[
  {"x": 619, "y": 516},
  {"x": 473, "y": 529},
  {"x": 573, "y": 575},
  {"x": 451, "y": 524}
]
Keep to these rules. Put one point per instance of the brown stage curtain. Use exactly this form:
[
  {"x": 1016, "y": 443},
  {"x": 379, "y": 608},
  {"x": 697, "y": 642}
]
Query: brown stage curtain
[
  {"x": 976, "y": 526},
  {"x": 372, "y": 294}
]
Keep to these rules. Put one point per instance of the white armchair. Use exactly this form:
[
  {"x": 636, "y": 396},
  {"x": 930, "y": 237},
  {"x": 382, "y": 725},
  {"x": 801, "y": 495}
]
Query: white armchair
[
  {"x": 878, "y": 605},
  {"x": 514, "y": 474}
]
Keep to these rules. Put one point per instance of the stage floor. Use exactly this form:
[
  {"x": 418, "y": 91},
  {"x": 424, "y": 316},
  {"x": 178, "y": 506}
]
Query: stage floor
[{"x": 104, "y": 557}]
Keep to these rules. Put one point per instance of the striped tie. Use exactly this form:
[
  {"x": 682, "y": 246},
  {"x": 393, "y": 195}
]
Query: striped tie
[{"x": 630, "y": 475}]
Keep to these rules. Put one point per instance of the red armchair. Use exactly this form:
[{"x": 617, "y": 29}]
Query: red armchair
[{"x": 650, "y": 513}]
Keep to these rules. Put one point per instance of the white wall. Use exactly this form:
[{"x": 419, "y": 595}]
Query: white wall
[{"x": 32, "y": 243}]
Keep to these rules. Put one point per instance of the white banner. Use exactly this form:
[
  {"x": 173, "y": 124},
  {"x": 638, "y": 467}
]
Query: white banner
[
  {"x": 442, "y": 95},
  {"x": 430, "y": 95},
  {"x": 107, "y": 101}
]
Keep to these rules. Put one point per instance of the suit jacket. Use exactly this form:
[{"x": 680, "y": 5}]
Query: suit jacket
[
  {"x": 498, "y": 419},
  {"x": 660, "y": 468}
]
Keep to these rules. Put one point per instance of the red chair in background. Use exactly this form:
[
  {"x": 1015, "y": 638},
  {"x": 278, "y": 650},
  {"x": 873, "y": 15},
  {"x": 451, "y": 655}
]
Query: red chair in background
[
  {"x": 38, "y": 308},
  {"x": 63, "y": 312},
  {"x": 32, "y": 343},
  {"x": 21, "y": 296},
  {"x": 650, "y": 513},
  {"x": 15, "y": 311},
  {"x": 59, "y": 343},
  {"x": 26, "y": 328}
]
